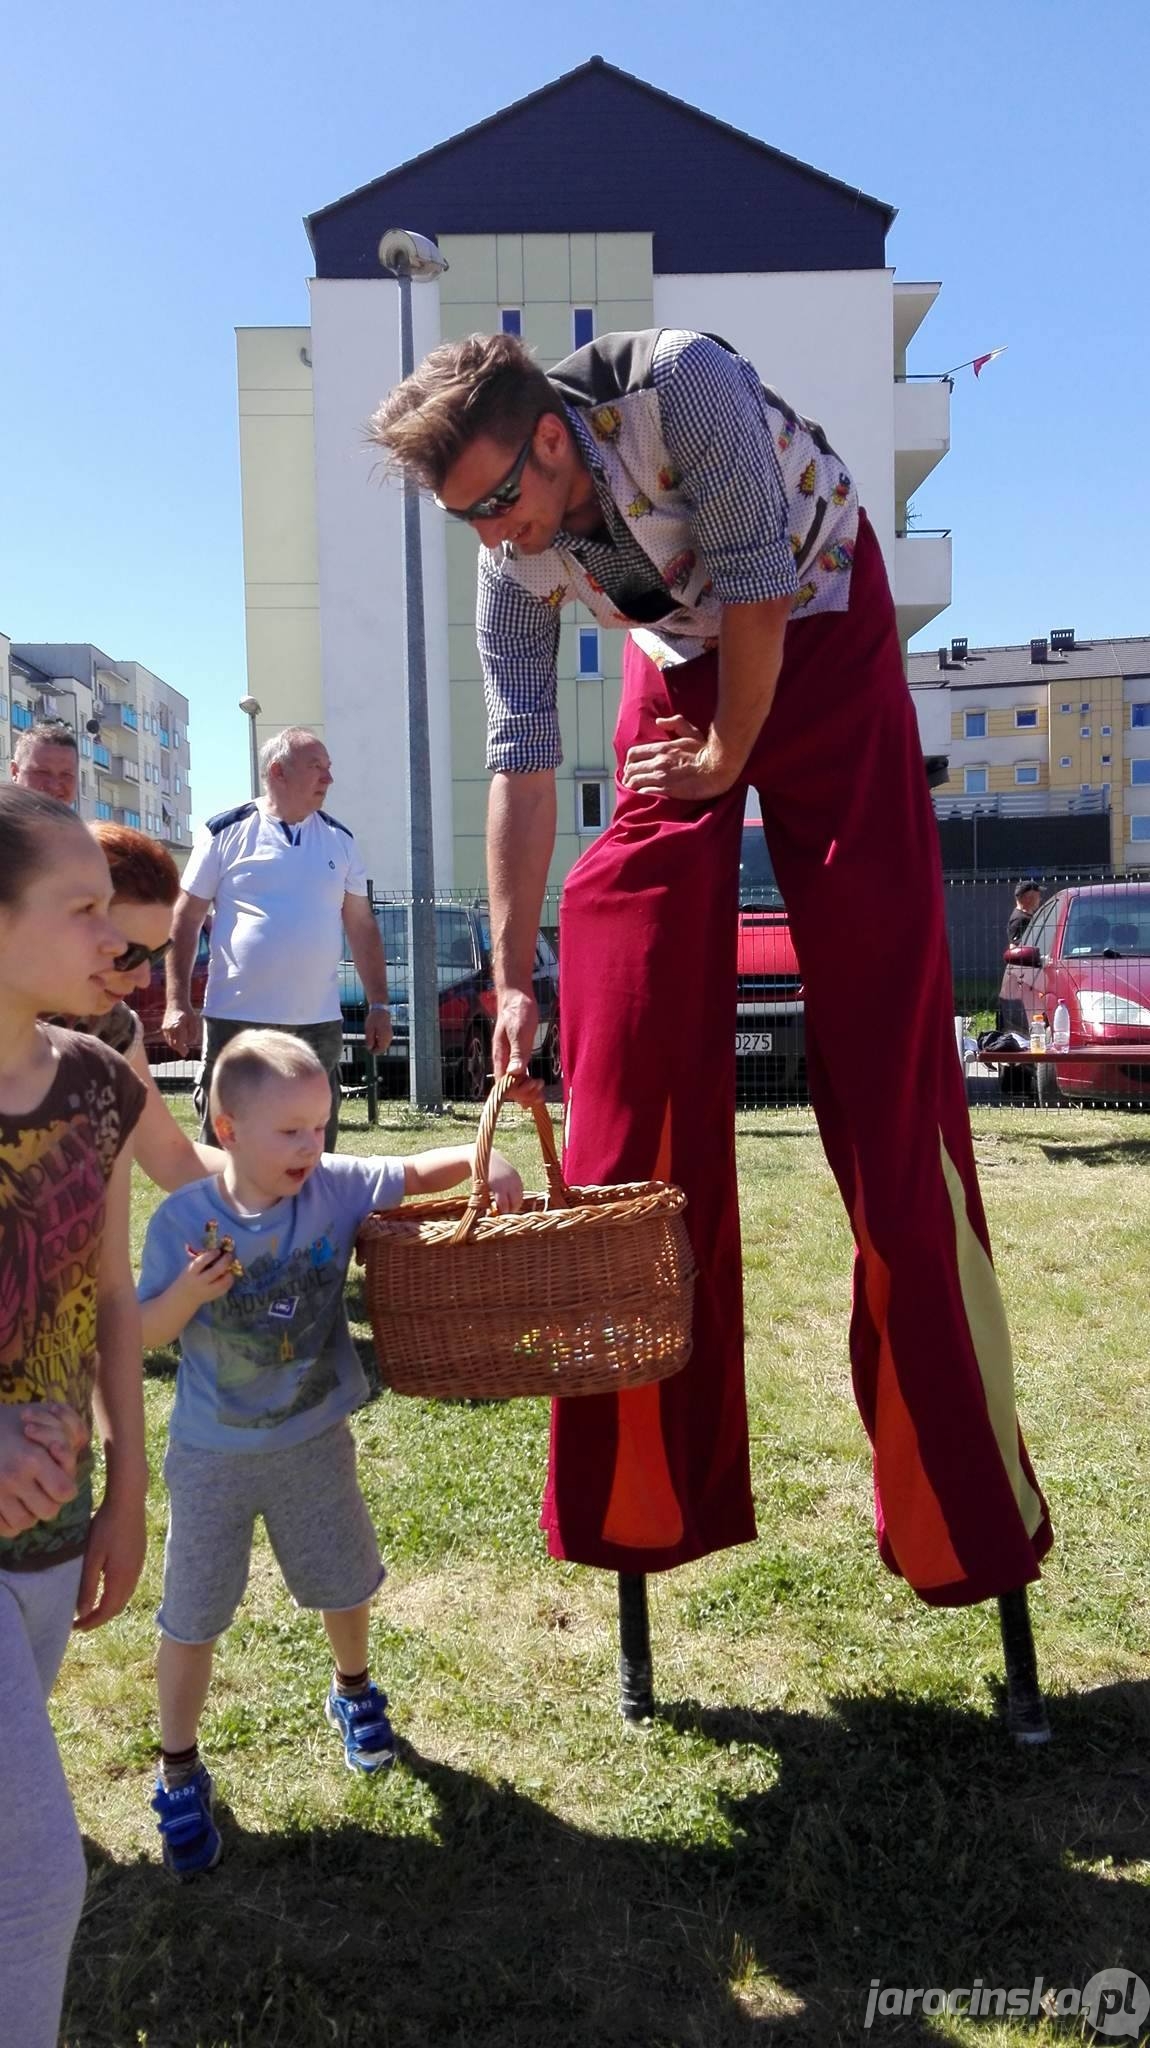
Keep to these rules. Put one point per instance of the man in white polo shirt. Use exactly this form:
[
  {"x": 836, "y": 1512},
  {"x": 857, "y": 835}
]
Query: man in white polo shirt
[{"x": 283, "y": 880}]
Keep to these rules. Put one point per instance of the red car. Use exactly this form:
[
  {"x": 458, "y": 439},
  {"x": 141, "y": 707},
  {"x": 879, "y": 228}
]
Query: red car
[
  {"x": 1089, "y": 948},
  {"x": 770, "y": 1044},
  {"x": 151, "y": 1002}
]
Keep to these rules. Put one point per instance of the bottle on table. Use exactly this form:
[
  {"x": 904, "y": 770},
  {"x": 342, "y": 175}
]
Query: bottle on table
[
  {"x": 1039, "y": 1036},
  {"x": 1060, "y": 1029}
]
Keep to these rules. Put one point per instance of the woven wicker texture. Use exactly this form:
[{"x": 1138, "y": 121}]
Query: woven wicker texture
[{"x": 585, "y": 1291}]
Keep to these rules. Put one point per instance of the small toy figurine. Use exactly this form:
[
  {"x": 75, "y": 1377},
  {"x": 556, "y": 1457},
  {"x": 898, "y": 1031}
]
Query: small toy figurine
[{"x": 213, "y": 1242}]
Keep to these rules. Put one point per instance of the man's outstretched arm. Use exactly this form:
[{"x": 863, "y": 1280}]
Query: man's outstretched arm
[{"x": 520, "y": 842}]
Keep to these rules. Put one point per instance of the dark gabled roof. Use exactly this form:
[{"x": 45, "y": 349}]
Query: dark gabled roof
[{"x": 600, "y": 150}]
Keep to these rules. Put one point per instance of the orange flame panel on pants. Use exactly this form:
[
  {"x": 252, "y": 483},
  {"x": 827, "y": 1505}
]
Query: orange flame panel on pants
[{"x": 643, "y": 1510}]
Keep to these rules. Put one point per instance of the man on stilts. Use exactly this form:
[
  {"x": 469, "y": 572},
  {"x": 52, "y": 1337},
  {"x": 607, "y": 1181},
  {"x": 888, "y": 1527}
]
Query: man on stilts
[{"x": 653, "y": 478}]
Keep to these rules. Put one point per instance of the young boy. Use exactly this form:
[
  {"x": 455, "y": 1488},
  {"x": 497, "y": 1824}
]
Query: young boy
[{"x": 248, "y": 1269}]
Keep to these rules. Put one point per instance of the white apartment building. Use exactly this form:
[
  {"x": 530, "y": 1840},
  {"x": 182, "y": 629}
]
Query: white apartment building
[
  {"x": 673, "y": 220},
  {"x": 131, "y": 727}
]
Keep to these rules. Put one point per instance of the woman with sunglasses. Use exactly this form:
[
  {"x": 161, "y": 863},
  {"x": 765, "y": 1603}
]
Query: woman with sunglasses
[{"x": 145, "y": 885}]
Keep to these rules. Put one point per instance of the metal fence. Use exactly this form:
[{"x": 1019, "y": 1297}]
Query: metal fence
[{"x": 1069, "y": 1005}]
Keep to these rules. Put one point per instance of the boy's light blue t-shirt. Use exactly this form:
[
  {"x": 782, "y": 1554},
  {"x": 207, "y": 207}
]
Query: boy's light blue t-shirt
[{"x": 271, "y": 1363}]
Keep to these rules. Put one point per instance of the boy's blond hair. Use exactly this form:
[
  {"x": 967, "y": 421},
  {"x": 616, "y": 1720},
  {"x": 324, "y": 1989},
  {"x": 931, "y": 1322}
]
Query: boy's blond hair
[{"x": 252, "y": 1058}]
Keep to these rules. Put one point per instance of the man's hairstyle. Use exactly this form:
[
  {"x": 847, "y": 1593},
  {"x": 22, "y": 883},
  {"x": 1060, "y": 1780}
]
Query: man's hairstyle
[
  {"x": 50, "y": 732},
  {"x": 26, "y": 817},
  {"x": 1024, "y": 889},
  {"x": 252, "y": 1058},
  {"x": 142, "y": 870},
  {"x": 488, "y": 384},
  {"x": 282, "y": 744}
]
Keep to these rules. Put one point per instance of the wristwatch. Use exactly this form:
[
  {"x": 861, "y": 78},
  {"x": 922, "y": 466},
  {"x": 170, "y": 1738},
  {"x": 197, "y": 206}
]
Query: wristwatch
[{"x": 386, "y": 1007}]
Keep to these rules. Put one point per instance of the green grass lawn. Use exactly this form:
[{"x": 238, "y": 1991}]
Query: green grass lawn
[{"x": 825, "y": 1797}]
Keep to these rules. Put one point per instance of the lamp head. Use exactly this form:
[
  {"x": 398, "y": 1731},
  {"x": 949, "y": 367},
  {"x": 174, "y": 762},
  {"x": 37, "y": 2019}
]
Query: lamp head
[
  {"x": 407, "y": 254},
  {"x": 251, "y": 705}
]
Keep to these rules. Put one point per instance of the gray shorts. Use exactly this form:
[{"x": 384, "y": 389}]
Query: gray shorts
[{"x": 316, "y": 1519}]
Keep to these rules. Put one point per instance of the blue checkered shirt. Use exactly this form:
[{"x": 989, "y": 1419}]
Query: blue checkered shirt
[{"x": 714, "y": 492}]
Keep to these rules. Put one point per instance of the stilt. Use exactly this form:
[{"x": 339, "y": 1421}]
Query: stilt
[
  {"x": 1025, "y": 1708},
  {"x": 636, "y": 1699}
]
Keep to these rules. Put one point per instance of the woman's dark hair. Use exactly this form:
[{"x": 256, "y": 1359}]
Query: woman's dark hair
[{"x": 25, "y": 816}]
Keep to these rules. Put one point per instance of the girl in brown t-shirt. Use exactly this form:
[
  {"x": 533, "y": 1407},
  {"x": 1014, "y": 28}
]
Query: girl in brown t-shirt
[{"x": 69, "y": 1351}]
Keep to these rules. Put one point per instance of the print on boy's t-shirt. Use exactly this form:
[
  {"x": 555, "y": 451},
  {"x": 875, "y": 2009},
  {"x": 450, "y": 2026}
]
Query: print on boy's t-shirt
[{"x": 273, "y": 1359}]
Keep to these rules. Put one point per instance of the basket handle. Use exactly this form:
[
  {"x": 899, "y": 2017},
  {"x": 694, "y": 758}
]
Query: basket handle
[{"x": 558, "y": 1192}]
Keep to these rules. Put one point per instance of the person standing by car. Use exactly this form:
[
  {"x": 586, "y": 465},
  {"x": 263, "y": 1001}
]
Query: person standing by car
[
  {"x": 653, "y": 478},
  {"x": 46, "y": 758},
  {"x": 1027, "y": 897},
  {"x": 284, "y": 881}
]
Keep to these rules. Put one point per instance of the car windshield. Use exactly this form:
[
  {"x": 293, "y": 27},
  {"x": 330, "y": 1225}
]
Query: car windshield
[
  {"x": 757, "y": 882},
  {"x": 392, "y": 921},
  {"x": 1115, "y": 924}
]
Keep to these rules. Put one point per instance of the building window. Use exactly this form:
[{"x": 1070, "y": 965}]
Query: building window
[
  {"x": 3, "y": 707},
  {"x": 511, "y": 320},
  {"x": 1022, "y": 719},
  {"x": 1106, "y": 730},
  {"x": 1140, "y": 714},
  {"x": 22, "y": 717},
  {"x": 1140, "y": 826},
  {"x": 132, "y": 818},
  {"x": 583, "y": 325},
  {"x": 589, "y": 651},
  {"x": 1106, "y": 760},
  {"x": 1064, "y": 760},
  {"x": 179, "y": 785},
  {"x": 1066, "y": 707},
  {"x": 85, "y": 746},
  {"x": 590, "y": 805},
  {"x": 1026, "y": 771},
  {"x": 103, "y": 810},
  {"x": 974, "y": 781},
  {"x": 1084, "y": 707},
  {"x": 163, "y": 737},
  {"x": 1140, "y": 771},
  {"x": 1085, "y": 788},
  {"x": 974, "y": 725},
  {"x": 1084, "y": 732}
]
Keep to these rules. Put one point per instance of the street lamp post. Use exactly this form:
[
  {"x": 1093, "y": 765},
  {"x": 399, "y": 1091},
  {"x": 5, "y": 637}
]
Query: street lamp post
[
  {"x": 252, "y": 707},
  {"x": 406, "y": 255}
]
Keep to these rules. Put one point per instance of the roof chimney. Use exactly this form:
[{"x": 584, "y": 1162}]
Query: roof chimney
[
  {"x": 1062, "y": 639},
  {"x": 958, "y": 650},
  {"x": 943, "y": 659},
  {"x": 1038, "y": 650}
]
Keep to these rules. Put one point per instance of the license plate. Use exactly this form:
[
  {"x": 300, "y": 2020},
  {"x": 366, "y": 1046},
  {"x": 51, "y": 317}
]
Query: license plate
[{"x": 751, "y": 1041}]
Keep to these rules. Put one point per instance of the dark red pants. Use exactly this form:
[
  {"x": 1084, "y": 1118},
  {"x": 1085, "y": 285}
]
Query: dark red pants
[{"x": 652, "y": 1478}]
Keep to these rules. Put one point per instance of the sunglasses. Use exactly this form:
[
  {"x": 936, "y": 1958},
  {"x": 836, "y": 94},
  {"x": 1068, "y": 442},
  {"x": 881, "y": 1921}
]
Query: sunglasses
[
  {"x": 503, "y": 496},
  {"x": 135, "y": 956}
]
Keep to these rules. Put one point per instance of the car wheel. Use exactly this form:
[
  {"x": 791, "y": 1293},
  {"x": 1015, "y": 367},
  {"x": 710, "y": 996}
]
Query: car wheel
[
  {"x": 476, "y": 1064},
  {"x": 1046, "y": 1086},
  {"x": 551, "y": 1058}
]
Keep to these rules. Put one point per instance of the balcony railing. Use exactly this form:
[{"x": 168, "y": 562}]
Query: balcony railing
[{"x": 1022, "y": 803}]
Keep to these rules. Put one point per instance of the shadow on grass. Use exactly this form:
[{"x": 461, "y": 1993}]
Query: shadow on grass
[
  {"x": 1098, "y": 1152},
  {"x": 896, "y": 1839}
]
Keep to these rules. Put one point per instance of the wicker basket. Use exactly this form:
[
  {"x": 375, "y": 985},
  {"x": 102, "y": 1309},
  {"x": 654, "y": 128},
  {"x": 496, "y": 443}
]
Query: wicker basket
[{"x": 585, "y": 1291}]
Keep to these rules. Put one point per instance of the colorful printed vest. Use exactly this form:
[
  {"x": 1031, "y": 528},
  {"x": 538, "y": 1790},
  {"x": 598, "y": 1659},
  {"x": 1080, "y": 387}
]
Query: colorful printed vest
[{"x": 610, "y": 388}]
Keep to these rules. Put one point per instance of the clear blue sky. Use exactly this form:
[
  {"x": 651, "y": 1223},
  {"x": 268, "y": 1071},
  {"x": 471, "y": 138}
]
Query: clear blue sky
[{"x": 156, "y": 161}]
